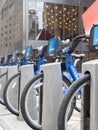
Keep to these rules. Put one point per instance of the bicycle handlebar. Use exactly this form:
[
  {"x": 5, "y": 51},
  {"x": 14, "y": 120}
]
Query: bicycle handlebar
[{"x": 76, "y": 41}]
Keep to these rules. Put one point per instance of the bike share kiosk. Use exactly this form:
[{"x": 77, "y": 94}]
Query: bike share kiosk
[{"x": 91, "y": 93}]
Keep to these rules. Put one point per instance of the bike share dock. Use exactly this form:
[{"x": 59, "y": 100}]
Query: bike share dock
[
  {"x": 91, "y": 96},
  {"x": 52, "y": 95},
  {"x": 8, "y": 121}
]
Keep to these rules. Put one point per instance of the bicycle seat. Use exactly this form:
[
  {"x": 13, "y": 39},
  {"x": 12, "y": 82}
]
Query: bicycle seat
[
  {"x": 65, "y": 43},
  {"x": 40, "y": 48},
  {"x": 78, "y": 56}
]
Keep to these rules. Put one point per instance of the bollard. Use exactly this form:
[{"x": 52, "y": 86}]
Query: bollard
[{"x": 52, "y": 95}]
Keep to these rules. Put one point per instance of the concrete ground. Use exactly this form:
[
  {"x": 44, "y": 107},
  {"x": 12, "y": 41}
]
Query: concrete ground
[{"x": 9, "y": 121}]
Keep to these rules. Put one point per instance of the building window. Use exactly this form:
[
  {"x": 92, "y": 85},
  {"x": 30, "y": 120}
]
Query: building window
[
  {"x": 35, "y": 18},
  {"x": 47, "y": 20},
  {"x": 61, "y": 20}
]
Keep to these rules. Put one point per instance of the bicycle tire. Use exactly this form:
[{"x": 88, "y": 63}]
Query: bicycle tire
[
  {"x": 62, "y": 116},
  {"x": 68, "y": 83},
  {"x": 5, "y": 95},
  {"x": 23, "y": 106},
  {"x": 1, "y": 100},
  {"x": 23, "y": 102},
  {"x": 76, "y": 107}
]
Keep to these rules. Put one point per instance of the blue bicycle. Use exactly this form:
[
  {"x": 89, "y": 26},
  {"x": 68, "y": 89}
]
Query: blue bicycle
[
  {"x": 66, "y": 57},
  {"x": 5, "y": 61},
  {"x": 11, "y": 85},
  {"x": 80, "y": 120},
  {"x": 15, "y": 59}
]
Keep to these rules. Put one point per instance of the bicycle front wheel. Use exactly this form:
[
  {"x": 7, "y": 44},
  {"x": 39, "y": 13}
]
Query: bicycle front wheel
[
  {"x": 11, "y": 94},
  {"x": 32, "y": 100},
  {"x": 74, "y": 123}
]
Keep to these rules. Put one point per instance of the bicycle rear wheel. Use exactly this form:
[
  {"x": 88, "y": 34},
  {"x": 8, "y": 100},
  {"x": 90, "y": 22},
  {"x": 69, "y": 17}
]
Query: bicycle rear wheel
[
  {"x": 11, "y": 94},
  {"x": 74, "y": 123}
]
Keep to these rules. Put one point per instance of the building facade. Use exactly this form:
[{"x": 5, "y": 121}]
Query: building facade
[
  {"x": 34, "y": 22},
  {"x": 11, "y": 26}
]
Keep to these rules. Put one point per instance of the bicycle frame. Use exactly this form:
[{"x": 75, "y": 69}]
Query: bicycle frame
[
  {"x": 69, "y": 64},
  {"x": 73, "y": 74}
]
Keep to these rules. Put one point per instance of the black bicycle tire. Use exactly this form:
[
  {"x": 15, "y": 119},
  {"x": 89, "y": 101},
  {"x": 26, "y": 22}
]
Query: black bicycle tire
[
  {"x": 23, "y": 110},
  {"x": 1, "y": 100},
  {"x": 26, "y": 118},
  {"x": 76, "y": 107},
  {"x": 9, "y": 107},
  {"x": 74, "y": 104},
  {"x": 63, "y": 108}
]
